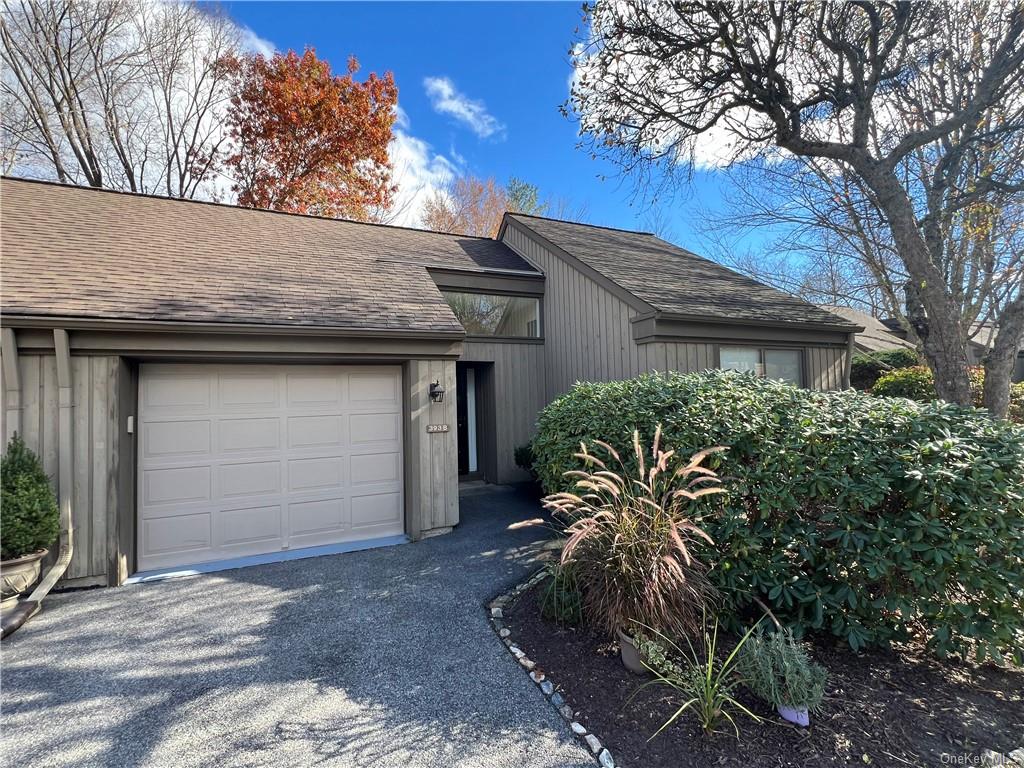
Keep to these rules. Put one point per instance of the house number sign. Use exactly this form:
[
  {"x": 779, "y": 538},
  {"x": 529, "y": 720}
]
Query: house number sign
[{"x": 437, "y": 428}]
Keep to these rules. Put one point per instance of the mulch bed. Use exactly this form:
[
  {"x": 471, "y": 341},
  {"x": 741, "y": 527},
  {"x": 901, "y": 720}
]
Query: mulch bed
[{"x": 882, "y": 708}]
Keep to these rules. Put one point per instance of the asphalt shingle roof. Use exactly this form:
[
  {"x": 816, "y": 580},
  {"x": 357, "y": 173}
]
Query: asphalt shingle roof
[
  {"x": 79, "y": 252},
  {"x": 876, "y": 336},
  {"x": 673, "y": 280}
]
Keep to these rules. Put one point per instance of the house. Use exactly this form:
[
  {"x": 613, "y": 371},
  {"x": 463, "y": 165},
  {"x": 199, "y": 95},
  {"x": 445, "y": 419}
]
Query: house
[
  {"x": 979, "y": 342},
  {"x": 876, "y": 336},
  {"x": 234, "y": 383},
  {"x": 983, "y": 335}
]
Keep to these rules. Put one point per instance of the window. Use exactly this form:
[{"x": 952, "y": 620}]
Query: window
[
  {"x": 784, "y": 364},
  {"x": 487, "y": 314},
  {"x": 741, "y": 359}
]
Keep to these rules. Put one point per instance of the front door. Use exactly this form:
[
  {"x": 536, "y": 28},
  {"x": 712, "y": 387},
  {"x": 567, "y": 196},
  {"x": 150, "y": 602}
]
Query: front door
[{"x": 465, "y": 396}]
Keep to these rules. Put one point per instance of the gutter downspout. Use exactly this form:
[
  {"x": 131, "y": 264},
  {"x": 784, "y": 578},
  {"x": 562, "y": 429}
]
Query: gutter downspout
[{"x": 29, "y": 607}]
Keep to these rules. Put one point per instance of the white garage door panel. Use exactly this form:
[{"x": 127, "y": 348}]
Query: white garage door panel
[
  {"x": 255, "y": 525},
  {"x": 310, "y": 390},
  {"x": 177, "y": 534},
  {"x": 376, "y": 510},
  {"x": 323, "y": 474},
  {"x": 247, "y": 460},
  {"x": 175, "y": 485},
  {"x": 316, "y": 431},
  {"x": 310, "y": 520},
  {"x": 176, "y": 438},
  {"x": 249, "y": 435}
]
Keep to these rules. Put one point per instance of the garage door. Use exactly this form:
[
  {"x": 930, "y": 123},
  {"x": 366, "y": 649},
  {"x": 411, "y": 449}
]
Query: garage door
[{"x": 245, "y": 460}]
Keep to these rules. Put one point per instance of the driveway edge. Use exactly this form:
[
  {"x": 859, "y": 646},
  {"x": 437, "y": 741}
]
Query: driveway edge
[{"x": 547, "y": 686}]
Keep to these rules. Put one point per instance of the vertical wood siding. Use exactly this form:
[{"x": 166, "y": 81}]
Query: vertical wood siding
[
  {"x": 95, "y": 432},
  {"x": 685, "y": 357},
  {"x": 432, "y": 467},
  {"x": 519, "y": 393},
  {"x": 587, "y": 331},
  {"x": 825, "y": 366},
  {"x": 588, "y": 337}
]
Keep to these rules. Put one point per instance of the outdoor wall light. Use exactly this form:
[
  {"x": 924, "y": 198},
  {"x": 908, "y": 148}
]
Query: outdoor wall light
[{"x": 437, "y": 392}]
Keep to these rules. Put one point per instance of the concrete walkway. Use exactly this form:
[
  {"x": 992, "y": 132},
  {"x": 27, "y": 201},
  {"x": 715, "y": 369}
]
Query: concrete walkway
[{"x": 376, "y": 658}]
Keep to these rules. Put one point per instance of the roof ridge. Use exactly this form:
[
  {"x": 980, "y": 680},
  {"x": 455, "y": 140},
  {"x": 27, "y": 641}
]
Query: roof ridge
[
  {"x": 580, "y": 223},
  {"x": 214, "y": 203}
]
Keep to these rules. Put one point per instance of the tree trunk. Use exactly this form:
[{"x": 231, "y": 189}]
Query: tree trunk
[
  {"x": 943, "y": 340},
  {"x": 1001, "y": 358}
]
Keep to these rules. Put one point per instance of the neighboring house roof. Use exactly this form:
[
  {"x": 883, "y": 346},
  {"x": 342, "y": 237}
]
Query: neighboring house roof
[
  {"x": 79, "y": 252},
  {"x": 876, "y": 336},
  {"x": 982, "y": 335},
  {"x": 675, "y": 281}
]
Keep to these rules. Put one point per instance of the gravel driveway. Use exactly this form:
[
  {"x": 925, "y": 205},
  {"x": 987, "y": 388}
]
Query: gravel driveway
[{"x": 376, "y": 658}]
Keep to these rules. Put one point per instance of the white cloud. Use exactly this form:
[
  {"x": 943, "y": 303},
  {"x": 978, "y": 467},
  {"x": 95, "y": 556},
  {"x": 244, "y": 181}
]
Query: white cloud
[
  {"x": 253, "y": 43},
  {"x": 447, "y": 100},
  {"x": 401, "y": 117},
  {"x": 419, "y": 172},
  {"x": 459, "y": 159}
]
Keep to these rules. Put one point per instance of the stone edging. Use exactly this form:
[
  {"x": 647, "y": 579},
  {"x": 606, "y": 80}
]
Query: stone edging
[
  {"x": 545, "y": 683},
  {"x": 1014, "y": 759}
]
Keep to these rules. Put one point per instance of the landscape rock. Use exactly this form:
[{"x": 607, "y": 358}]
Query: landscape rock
[{"x": 604, "y": 757}]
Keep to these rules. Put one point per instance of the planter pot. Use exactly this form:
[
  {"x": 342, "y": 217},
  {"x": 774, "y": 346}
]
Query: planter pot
[
  {"x": 795, "y": 715},
  {"x": 18, "y": 575},
  {"x": 630, "y": 654}
]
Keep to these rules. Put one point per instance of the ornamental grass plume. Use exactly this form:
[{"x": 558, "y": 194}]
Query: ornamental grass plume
[{"x": 633, "y": 542}]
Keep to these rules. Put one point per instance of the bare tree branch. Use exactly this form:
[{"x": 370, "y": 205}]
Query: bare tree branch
[{"x": 903, "y": 122}]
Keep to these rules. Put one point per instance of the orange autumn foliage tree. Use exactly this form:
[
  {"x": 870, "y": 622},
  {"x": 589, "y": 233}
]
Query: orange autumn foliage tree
[
  {"x": 467, "y": 206},
  {"x": 306, "y": 140}
]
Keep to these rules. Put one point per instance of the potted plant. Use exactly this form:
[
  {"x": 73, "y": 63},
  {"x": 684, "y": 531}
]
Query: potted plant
[
  {"x": 633, "y": 542},
  {"x": 778, "y": 669},
  {"x": 29, "y": 520}
]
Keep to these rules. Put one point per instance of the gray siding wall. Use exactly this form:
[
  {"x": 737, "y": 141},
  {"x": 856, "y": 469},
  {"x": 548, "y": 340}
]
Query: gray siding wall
[
  {"x": 519, "y": 392},
  {"x": 431, "y": 459},
  {"x": 825, "y": 366},
  {"x": 588, "y": 337},
  {"x": 587, "y": 332},
  {"x": 95, "y": 418},
  {"x": 676, "y": 356}
]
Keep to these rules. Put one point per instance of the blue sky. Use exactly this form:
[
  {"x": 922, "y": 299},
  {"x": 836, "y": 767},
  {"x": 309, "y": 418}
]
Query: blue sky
[{"x": 480, "y": 85}]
